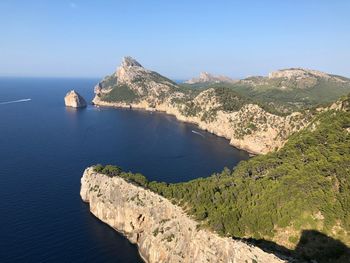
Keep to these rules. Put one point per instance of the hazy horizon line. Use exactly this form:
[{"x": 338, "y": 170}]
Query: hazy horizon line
[{"x": 175, "y": 78}]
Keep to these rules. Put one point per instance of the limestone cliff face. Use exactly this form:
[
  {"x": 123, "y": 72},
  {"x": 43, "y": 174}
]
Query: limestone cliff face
[
  {"x": 73, "y": 99},
  {"x": 162, "y": 231},
  {"x": 251, "y": 128}
]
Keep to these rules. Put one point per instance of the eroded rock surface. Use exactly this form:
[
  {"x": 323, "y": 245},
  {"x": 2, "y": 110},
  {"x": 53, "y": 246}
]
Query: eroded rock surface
[
  {"x": 162, "y": 231},
  {"x": 74, "y": 99},
  {"x": 205, "y": 77}
]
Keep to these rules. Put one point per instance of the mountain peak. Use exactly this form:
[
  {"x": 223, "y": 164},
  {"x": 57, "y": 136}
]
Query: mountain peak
[
  {"x": 297, "y": 73},
  {"x": 130, "y": 62},
  {"x": 205, "y": 77}
]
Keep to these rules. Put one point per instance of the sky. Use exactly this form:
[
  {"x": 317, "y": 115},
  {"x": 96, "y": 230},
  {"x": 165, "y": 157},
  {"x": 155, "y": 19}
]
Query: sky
[{"x": 177, "y": 38}]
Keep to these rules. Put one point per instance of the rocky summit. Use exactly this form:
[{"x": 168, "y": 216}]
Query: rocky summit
[
  {"x": 205, "y": 77},
  {"x": 301, "y": 73},
  {"x": 74, "y": 99}
]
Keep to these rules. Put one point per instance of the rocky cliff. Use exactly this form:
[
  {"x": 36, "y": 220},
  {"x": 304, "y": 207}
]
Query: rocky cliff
[
  {"x": 73, "y": 99},
  {"x": 220, "y": 111},
  {"x": 162, "y": 231}
]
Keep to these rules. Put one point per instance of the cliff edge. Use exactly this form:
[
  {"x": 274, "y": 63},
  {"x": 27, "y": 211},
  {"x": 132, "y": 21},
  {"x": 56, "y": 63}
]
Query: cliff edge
[
  {"x": 74, "y": 99},
  {"x": 162, "y": 231}
]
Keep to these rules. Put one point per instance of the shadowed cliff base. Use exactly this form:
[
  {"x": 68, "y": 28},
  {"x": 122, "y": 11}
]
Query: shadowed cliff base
[{"x": 313, "y": 246}]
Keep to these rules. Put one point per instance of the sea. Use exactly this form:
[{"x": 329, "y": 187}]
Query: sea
[{"x": 45, "y": 147}]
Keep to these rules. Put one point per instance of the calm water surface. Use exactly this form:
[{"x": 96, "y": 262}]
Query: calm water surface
[{"x": 44, "y": 148}]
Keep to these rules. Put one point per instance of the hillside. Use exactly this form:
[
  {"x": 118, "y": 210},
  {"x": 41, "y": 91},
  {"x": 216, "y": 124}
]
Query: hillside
[
  {"x": 132, "y": 82},
  {"x": 289, "y": 90},
  {"x": 297, "y": 197},
  {"x": 249, "y": 124}
]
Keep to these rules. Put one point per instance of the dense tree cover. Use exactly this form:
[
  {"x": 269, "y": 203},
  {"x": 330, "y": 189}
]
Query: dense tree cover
[
  {"x": 229, "y": 99},
  {"x": 113, "y": 170},
  {"x": 304, "y": 185}
]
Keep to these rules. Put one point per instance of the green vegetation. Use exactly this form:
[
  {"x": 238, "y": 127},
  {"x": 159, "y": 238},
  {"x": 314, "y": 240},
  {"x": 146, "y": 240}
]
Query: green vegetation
[
  {"x": 120, "y": 93},
  {"x": 304, "y": 185},
  {"x": 281, "y": 96},
  {"x": 299, "y": 186},
  {"x": 191, "y": 109},
  {"x": 108, "y": 81},
  {"x": 112, "y": 170},
  {"x": 229, "y": 99}
]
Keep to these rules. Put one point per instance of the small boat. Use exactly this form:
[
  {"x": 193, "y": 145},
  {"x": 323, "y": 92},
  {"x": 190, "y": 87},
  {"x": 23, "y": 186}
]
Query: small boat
[
  {"x": 15, "y": 101},
  {"x": 198, "y": 133}
]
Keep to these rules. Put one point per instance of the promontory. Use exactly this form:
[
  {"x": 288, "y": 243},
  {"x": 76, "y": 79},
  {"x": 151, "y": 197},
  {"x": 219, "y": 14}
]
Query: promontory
[{"x": 161, "y": 230}]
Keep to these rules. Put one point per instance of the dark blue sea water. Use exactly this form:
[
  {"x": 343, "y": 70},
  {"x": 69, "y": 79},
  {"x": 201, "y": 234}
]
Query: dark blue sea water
[{"x": 44, "y": 148}]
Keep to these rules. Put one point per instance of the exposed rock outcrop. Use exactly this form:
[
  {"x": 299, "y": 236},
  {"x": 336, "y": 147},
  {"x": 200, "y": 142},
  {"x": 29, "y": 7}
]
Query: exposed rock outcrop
[
  {"x": 73, "y": 99},
  {"x": 162, "y": 231},
  {"x": 251, "y": 128},
  {"x": 303, "y": 78},
  {"x": 300, "y": 73},
  {"x": 205, "y": 77}
]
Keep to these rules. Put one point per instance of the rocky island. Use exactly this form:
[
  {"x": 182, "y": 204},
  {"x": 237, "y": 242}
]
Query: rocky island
[
  {"x": 74, "y": 99},
  {"x": 161, "y": 230}
]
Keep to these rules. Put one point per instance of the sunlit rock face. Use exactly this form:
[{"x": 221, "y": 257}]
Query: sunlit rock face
[
  {"x": 161, "y": 230},
  {"x": 73, "y": 99},
  {"x": 205, "y": 77}
]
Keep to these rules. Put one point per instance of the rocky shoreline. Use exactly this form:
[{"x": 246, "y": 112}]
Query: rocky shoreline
[
  {"x": 161, "y": 230},
  {"x": 260, "y": 142}
]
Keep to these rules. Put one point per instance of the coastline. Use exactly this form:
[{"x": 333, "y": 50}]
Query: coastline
[
  {"x": 254, "y": 144},
  {"x": 162, "y": 231},
  {"x": 126, "y": 107}
]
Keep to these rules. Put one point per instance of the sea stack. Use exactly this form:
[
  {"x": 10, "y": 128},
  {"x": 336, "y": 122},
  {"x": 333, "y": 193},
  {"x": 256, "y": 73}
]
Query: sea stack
[{"x": 73, "y": 99}]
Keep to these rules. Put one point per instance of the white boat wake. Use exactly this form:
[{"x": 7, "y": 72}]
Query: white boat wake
[
  {"x": 14, "y": 101},
  {"x": 195, "y": 132}
]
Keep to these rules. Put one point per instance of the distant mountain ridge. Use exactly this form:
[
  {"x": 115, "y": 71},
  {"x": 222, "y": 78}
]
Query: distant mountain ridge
[
  {"x": 205, "y": 77},
  {"x": 296, "y": 78},
  {"x": 301, "y": 73},
  {"x": 289, "y": 74}
]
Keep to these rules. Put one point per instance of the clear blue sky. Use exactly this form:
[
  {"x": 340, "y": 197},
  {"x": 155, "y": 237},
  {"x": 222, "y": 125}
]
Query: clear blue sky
[{"x": 176, "y": 38}]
